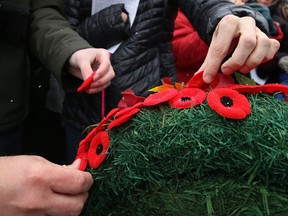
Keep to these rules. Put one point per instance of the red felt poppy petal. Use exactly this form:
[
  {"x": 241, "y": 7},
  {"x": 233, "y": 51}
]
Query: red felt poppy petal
[
  {"x": 272, "y": 88},
  {"x": 83, "y": 164},
  {"x": 138, "y": 105},
  {"x": 129, "y": 99},
  {"x": 231, "y": 113},
  {"x": 105, "y": 140},
  {"x": 197, "y": 82},
  {"x": 187, "y": 98},
  {"x": 160, "y": 97},
  {"x": 224, "y": 80},
  {"x": 112, "y": 112},
  {"x": 122, "y": 119},
  {"x": 93, "y": 132},
  {"x": 243, "y": 103},
  {"x": 83, "y": 161},
  {"x": 101, "y": 138},
  {"x": 213, "y": 100},
  {"x": 246, "y": 89},
  {"x": 86, "y": 84},
  {"x": 83, "y": 147},
  {"x": 94, "y": 159}
]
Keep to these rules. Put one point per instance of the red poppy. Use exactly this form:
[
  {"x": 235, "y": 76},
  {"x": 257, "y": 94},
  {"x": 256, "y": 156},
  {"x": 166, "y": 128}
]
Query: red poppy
[
  {"x": 102, "y": 124},
  {"x": 247, "y": 89},
  {"x": 272, "y": 88},
  {"x": 83, "y": 146},
  {"x": 86, "y": 84},
  {"x": 98, "y": 149},
  {"x": 83, "y": 161},
  {"x": 197, "y": 82},
  {"x": 253, "y": 89},
  {"x": 129, "y": 99},
  {"x": 128, "y": 109},
  {"x": 160, "y": 97},
  {"x": 123, "y": 118},
  {"x": 187, "y": 98},
  {"x": 112, "y": 113},
  {"x": 82, "y": 153},
  {"x": 229, "y": 103}
]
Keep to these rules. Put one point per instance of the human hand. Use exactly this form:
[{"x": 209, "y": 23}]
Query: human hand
[
  {"x": 31, "y": 185},
  {"x": 240, "y": 38},
  {"x": 83, "y": 62}
]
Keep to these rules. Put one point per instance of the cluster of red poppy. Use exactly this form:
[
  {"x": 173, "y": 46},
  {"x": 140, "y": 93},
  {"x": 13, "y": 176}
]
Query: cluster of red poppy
[{"x": 223, "y": 96}]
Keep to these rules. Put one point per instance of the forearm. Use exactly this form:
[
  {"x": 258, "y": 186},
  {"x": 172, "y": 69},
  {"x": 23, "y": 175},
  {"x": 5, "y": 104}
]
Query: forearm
[{"x": 52, "y": 40}]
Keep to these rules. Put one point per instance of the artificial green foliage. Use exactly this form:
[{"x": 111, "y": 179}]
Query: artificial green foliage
[{"x": 190, "y": 162}]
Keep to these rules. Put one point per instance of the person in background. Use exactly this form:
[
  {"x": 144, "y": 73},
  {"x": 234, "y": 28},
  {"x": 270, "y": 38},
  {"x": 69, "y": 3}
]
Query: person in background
[
  {"x": 236, "y": 36},
  {"x": 31, "y": 185}
]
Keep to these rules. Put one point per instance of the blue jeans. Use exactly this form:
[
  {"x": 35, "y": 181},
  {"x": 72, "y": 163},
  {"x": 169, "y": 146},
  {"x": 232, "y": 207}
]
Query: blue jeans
[{"x": 11, "y": 142}]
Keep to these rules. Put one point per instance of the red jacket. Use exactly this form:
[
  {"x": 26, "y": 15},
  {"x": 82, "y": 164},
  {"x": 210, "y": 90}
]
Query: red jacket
[{"x": 188, "y": 48}]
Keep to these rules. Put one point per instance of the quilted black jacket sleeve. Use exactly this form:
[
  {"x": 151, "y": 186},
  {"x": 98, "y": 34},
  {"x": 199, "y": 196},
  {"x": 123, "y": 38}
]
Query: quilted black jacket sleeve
[
  {"x": 205, "y": 15},
  {"x": 105, "y": 28}
]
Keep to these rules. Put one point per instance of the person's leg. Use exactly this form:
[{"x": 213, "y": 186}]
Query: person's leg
[{"x": 11, "y": 142}]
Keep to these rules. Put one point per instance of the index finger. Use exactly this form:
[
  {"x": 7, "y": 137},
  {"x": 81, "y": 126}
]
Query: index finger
[
  {"x": 245, "y": 47},
  {"x": 218, "y": 49},
  {"x": 103, "y": 65}
]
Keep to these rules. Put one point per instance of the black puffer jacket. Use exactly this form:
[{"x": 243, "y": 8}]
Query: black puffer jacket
[{"x": 145, "y": 55}]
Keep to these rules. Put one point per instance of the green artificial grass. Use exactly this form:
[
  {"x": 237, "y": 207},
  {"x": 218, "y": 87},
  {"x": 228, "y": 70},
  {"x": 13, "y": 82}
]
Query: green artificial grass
[{"x": 168, "y": 161}]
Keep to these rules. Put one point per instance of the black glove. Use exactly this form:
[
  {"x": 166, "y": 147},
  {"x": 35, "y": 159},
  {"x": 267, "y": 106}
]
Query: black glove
[{"x": 105, "y": 28}]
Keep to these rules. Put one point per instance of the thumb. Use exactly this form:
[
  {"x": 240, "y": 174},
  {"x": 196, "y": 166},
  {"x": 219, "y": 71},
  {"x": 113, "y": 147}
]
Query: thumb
[{"x": 75, "y": 164}]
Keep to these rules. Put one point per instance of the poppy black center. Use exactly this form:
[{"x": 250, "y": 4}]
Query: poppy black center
[
  {"x": 184, "y": 99},
  {"x": 226, "y": 101},
  {"x": 99, "y": 149}
]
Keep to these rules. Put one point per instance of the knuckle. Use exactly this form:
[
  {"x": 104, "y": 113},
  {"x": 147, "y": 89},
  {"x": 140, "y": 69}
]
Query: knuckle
[
  {"x": 76, "y": 209},
  {"x": 249, "y": 42},
  {"x": 219, "y": 50},
  {"x": 80, "y": 181},
  {"x": 229, "y": 19}
]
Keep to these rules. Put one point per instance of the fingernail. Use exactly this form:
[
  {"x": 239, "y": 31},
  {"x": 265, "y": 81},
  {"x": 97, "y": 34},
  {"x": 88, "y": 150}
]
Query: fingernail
[
  {"x": 208, "y": 78},
  {"x": 76, "y": 163}
]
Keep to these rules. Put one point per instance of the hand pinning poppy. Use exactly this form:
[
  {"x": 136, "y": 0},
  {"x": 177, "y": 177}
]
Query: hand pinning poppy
[
  {"x": 229, "y": 103},
  {"x": 187, "y": 98},
  {"x": 86, "y": 84},
  {"x": 160, "y": 97},
  {"x": 197, "y": 82},
  {"x": 98, "y": 149}
]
